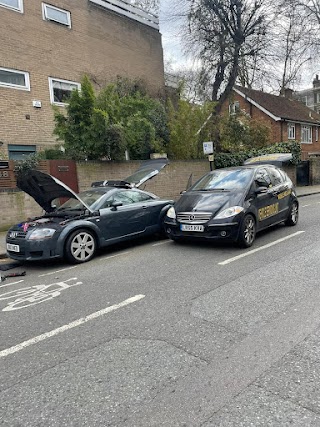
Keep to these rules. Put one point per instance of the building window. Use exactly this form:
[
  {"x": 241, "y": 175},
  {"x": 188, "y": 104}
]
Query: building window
[
  {"x": 317, "y": 133},
  {"x": 51, "y": 13},
  {"x": 60, "y": 90},
  {"x": 16, "y": 5},
  {"x": 291, "y": 131},
  {"x": 234, "y": 108},
  {"x": 318, "y": 98},
  {"x": 14, "y": 79},
  {"x": 306, "y": 134},
  {"x": 20, "y": 152}
]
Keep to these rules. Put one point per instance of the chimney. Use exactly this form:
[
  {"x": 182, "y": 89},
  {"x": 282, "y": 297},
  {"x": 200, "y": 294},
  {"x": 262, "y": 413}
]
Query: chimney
[
  {"x": 316, "y": 81},
  {"x": 287, "y": 93}
]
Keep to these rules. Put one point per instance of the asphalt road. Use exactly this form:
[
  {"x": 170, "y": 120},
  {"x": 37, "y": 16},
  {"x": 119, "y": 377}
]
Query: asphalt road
[{"x": 160, "y": 334}]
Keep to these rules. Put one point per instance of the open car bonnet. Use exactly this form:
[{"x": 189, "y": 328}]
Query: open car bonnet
[
  {"x": 44, "y": 188},
  {"x": 147, "y": 170}
]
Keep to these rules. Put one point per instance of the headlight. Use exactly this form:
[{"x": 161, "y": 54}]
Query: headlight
[
  {"x": 229, "y": 212},
  {"x": 41, "y": 233},
  {"x": 171, "y": 213}
]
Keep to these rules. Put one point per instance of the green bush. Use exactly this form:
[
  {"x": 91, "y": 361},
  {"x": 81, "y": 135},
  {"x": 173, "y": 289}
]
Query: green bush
[{"x": 223, "y": 160}]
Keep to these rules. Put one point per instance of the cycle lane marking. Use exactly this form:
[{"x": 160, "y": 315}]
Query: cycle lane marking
[
  {"x": 33, "y": 295},
  {"x": 236, "y": 258},
  {"x": 71, "y": 325}
]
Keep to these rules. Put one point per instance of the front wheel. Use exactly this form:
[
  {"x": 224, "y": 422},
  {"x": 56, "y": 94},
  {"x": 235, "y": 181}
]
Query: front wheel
[
  {"x": 293, "y": 215},
  {"x": 247, "y": 232},
  {"x": 80, "y": 246}
]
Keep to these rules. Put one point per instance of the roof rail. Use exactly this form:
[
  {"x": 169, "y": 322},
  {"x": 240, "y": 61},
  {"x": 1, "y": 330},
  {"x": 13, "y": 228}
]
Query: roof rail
[{"x": 121, "y": 184}]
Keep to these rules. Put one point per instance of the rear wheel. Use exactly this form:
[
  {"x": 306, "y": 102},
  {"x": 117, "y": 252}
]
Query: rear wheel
[
  {"x": 80, "y": 246},
  {"x": 293, "y": 215},
  {"x": 247, "y": 232}
]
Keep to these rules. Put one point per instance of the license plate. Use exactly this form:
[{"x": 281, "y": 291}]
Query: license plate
[
  {"x": 13, "y": 248},
  {"x": 189, "y": 227}
]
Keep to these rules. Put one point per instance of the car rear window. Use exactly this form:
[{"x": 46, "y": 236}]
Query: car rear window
[{"x": 222, "y": 179}]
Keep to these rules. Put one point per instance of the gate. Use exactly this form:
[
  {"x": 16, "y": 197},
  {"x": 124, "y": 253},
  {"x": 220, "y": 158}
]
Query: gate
[
  {"x": 303, "y": 173},
  {"x": 66, "y": 171}
]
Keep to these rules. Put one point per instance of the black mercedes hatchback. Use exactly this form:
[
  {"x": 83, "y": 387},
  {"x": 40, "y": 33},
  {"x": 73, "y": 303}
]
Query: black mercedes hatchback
[{"x": 234, "y": 204}]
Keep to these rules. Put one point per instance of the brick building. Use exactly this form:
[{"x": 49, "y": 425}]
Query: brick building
[
  {"x": 46, "y": 47},
  {"x": 288, "y": 119}
]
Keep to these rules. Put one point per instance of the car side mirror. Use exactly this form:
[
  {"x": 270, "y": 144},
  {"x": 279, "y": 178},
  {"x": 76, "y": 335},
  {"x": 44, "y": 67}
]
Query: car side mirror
[
  {"x": 261, "y": 183},
  {"x": 182, "y": 192},
  {"x": 115, "y": 205},
  {"x": 262, "y": 189}
]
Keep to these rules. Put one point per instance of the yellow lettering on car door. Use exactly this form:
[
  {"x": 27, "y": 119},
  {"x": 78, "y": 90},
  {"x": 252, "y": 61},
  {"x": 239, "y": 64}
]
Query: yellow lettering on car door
[
  {"x": 284, "y": 194},
  {"x": 268, "y": 211}
]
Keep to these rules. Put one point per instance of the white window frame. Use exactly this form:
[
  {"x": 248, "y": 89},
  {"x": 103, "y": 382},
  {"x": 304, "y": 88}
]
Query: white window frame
[
  {"x": 16, "y": 9},
  {"x": 15, "y": 86},
  {"x": 53, "y": 79},
  {"x": 291, "y": 131},
  {"x": 234, "y": 108},
  {"x": 306, "y": 130},
  {"x": 46, "y": 17}
]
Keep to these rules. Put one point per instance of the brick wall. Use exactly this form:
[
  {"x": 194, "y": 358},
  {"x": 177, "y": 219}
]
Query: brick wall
[
  {"x": 100, "y": 43},
  {"x": 167, "y": 184},
  {"x": 315, "y": 170},
  {"x": 16, "y": 206}
]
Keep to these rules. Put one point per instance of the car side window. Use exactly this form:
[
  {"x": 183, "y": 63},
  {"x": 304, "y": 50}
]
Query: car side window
[
  {"x": 139, "y": 197},
  {"x": 275, "y": 175},
  {"x": 124, "y": 197},
  {"x": 262, "y": 178}
]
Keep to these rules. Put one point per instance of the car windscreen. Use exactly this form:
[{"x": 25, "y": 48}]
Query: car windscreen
[
  {"x": 90, "y": 198},
  {"x": 224, "y": 180}
]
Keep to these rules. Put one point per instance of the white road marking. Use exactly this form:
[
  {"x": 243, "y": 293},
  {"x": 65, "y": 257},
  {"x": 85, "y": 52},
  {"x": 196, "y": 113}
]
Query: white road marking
[
  {"x": 228, "y": 261},
  {"x": 304, "y": 206},
  {"x": 32, "y": 295},
  {"x": 75, "y": 266},
  {"x": 13, "y": 283},
  {"x": 113, "y": 256},
  {"x": 161, "y": 243},
  {"x": 58, "y": 271},
  {"x": 64, "y": 328}
]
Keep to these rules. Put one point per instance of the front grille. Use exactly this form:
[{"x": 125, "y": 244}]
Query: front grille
[
  {"x": 194, "y": 217},
  {"x": 16, "y": 235}
]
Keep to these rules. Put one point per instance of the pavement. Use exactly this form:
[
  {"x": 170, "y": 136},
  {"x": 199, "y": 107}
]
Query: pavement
[{"x": 301, "y": 192}]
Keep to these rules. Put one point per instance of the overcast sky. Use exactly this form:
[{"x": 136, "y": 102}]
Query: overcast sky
[{"x": 170, "y": 30}]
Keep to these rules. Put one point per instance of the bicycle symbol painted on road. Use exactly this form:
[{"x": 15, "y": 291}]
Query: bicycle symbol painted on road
[{"x": 32, "y": 295}]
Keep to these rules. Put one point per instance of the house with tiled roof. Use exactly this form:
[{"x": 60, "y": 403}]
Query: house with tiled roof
[{"x": 287, "y": 118}]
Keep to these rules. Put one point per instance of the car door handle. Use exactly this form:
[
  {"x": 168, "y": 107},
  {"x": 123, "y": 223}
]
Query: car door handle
[{"x": 144, "y": 207}]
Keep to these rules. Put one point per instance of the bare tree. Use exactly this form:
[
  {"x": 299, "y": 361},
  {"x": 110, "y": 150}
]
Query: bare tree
[
  {"x": 151, "y": 6},
  {"x": 295, "y": 39},
  {"x": 226, "y": 32}
]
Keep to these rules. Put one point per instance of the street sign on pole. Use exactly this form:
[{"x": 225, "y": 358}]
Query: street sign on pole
[{"x": 208, "y": 147}]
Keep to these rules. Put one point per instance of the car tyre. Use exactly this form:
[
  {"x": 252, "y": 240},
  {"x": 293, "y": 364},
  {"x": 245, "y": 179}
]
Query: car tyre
[
  {"x": 293, "y": 215},
  {"x": 247, "y": 232},
  {"x": 80, "y": 246}
]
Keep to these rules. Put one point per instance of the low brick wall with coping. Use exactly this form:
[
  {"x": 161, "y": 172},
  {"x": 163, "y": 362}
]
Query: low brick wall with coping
[{"x": 16, "y": 206}]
